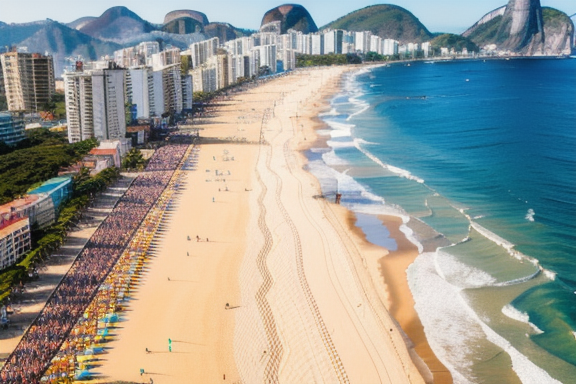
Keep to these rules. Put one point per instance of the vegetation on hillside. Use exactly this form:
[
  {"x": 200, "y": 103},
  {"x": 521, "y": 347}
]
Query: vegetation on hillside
[
  {"x": 449, "y": 40},
  {"x": 487, "y": 32},
  {"x": 386, "y": 21},
  {"x": 554, "y": 18},
  {"x": 326, "y": 60},
  {"x": 37, "y": 159}
]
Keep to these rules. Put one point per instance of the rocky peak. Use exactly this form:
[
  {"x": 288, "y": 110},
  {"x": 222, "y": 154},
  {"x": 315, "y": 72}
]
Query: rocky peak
[
  {"x": 522, "y": 26},
  {"x": 291, "y": 16}
]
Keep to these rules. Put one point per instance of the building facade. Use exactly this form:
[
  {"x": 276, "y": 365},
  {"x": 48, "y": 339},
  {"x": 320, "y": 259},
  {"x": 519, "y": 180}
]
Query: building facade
[
  {"x": 12, "y": 127},
  {"x": 15, "y": 239},
  {"x": 79, "y": 106},
  {"x": 28, "y": 80},
  {"x": 108, "y": 100}
]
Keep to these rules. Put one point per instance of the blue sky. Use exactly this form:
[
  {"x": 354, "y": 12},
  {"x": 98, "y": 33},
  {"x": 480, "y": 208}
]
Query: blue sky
[{"x": 438, "y": 16}]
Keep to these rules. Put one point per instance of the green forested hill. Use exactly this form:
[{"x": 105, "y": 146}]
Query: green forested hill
[
  {"x": 457, "y": 42},
  {"x": 386, "y": 21}
]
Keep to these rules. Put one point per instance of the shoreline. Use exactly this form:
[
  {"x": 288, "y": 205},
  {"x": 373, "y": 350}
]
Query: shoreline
[
  {"x": 390, "y": 265},
  {"x": 253, "y": 277}
]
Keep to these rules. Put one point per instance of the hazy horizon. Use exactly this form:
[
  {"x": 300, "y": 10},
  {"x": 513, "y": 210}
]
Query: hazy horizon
[{"x": 434, "y": 16}]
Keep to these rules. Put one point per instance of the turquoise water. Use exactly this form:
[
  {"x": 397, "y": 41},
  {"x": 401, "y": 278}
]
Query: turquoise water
[{"x": 484, "y": 154}]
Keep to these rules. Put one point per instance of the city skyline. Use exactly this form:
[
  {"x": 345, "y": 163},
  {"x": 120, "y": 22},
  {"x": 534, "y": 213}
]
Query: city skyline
[{"x": 433, "y": 15}]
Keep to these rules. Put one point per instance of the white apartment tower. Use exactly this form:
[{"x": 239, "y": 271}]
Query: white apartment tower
[
  {"x": 79, "y": 107},
  {"x": 141, "y": 90},
  {"x": 109, "y": 104}
]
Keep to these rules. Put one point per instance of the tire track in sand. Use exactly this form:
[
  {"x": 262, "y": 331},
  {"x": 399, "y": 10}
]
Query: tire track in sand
[
  {"x": 274, "y": 345},
  {"x": 320, "y": 325}
]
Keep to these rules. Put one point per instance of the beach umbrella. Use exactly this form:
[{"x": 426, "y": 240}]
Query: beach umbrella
[{"x": 83, "y": 375}]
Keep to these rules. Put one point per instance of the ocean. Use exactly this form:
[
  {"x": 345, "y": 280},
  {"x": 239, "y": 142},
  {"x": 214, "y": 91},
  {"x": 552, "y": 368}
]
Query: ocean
[{"x": 479, "y": 159}]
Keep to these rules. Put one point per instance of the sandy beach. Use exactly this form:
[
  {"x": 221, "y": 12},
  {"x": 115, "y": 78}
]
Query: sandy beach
[{"x": 256, "y": 278}]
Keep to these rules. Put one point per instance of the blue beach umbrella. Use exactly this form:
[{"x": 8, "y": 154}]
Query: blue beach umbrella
[{"x": 83, "y": 375}]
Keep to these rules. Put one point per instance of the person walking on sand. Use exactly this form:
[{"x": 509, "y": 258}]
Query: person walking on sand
[
  {"x": 197, "y": 238},
  {"x": 169, "y": 345}
]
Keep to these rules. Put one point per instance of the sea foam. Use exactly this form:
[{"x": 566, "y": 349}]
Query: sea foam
[
  {"x": 523, "y": 317},
  {"x": 459, "y": 274},
  {"x": 454, "y": 330},
  {"x": 398, "y": 171}
]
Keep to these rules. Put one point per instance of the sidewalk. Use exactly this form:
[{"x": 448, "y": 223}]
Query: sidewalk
[{"x": 28, "y": 305}]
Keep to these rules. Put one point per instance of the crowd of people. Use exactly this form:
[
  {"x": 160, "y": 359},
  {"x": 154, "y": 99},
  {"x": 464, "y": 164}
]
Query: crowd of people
[{"x": 75, "y": 292}]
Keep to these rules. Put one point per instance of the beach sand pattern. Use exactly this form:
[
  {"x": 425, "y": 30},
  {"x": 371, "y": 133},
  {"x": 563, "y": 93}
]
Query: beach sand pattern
[{"x": 240, "y": 273}]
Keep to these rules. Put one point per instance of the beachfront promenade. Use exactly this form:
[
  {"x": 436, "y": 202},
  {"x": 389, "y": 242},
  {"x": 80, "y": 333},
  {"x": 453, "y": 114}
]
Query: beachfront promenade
[
  {"x": 67, "y": 303},
  {"x": 229, "y": 270}
]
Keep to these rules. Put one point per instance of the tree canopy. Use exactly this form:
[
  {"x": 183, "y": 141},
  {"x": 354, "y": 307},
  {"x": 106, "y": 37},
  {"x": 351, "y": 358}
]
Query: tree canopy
[{"x": 36, "y": 160}]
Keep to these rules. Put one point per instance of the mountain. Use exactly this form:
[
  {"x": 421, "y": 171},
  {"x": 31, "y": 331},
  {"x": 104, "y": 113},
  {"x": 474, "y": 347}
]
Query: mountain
[
  {"x": 225, "y": 31},
  {"x": 186, "y": 13},
  {"x": 117, "y": 23},
  {"x": 184, "y": 21},
  {"x": 11, "y": 34},
  {"x": 524, "y": 27},
  {"x": 386, "y": 21},
  {"x": 81, "y": 22},
  {"x": 573, "y": 19},
  {"x": 61, "y": 42},
  {"x": 183, "y": 26},
  {"x": 291, "y": 16},
  {"x": 481, "y": 26}
]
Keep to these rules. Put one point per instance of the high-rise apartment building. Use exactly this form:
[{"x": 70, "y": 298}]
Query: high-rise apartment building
[
  {"x": 79, "y": 106},
  {"x": 28, "y": 80},
  {"x": 108, "y": 102},
  {"x": 95, "y": 103},
  {"x": 141, "y": 90},
  {"x": 203, "y": 50}
]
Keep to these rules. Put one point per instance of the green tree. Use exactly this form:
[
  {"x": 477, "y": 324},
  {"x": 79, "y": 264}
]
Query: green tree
[{"x": 134, "y": 160}]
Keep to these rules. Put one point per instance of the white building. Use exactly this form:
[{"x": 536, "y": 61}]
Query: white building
[
  {"x": 15, "y": 239},
  {"x": 138, "y": 55},
  {"x": 79, "y": 106},
  {"x": 426, "y": 48},
  {"x": 333, "y": 40},
  {"x": 316, "y": 44},
  {"x": 264, "y": 56},
  {"x": 362, "y": 41},
  {"x": 165, "y": 58},
  {"x": 376, "y": 44},
  {"x": 140, "y": 90},
  {"x": 109, "y": 103},
  {"x": 167, "y": 85},
  {"x": 390, "y": 47},
  {"x": 187, "y": 92},
  {"x": 203, "y": 50}
]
